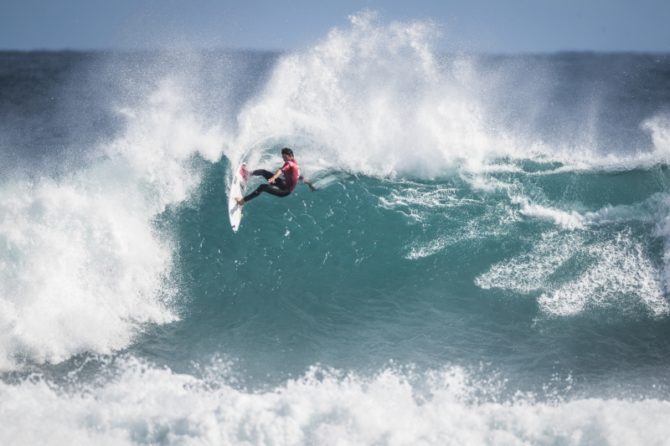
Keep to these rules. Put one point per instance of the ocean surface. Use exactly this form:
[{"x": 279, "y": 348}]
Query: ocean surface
[{"x": 486, "y": 260}]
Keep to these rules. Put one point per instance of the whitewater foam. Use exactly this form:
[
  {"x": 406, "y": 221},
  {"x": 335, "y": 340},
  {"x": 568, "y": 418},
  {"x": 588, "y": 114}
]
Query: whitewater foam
[
  {"x": 417, "y": 201},
  {"x": 614, "y": 273},
  {"x": 658, "y": 127},
  {"x": 620, "y": 272},
  {"x": 146, "y": 404},
  {"x": 530, "y": 271},
  {"x": 565, "y": 219},
  {"x": 83, "y": 266}
]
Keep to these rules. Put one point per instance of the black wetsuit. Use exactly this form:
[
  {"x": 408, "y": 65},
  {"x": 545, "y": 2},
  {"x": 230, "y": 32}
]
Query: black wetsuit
[{"x": 279, "y": 188}]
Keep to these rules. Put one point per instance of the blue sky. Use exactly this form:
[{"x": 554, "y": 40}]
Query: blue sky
[{"x": 507, "y": 26}]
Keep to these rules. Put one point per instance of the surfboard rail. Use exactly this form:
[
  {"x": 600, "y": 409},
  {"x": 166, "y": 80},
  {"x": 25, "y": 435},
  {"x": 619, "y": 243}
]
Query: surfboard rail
[{"x": 238, "y": 186}]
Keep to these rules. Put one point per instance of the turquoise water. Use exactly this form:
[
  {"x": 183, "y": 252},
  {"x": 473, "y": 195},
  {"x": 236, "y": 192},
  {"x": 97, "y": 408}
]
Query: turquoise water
[
  {"x": 485, "y": 260},
  {"x": 369, "y": 271}
]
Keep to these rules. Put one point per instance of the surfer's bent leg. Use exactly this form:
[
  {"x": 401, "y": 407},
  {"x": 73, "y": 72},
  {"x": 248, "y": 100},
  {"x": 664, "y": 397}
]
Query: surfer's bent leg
[
  {"x": 270, "y": 189},
  {"x": 262, "y": 172}
]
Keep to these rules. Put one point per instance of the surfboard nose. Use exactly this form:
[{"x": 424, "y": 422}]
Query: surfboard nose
[{"x": 244, "y": 173}]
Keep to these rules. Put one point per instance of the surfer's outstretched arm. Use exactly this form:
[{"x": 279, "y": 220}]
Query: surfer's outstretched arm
[{"x": 308, "y": 183}]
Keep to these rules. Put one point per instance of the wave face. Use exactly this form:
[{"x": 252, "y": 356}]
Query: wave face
[{"x": 486, "y": 259}]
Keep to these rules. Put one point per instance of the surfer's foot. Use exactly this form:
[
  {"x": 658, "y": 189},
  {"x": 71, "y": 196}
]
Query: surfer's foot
[{"x": 240, "y": 200}]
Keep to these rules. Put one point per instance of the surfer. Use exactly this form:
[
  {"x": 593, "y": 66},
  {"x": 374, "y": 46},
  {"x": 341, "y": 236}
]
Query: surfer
[{"x": 282, "y": 182}]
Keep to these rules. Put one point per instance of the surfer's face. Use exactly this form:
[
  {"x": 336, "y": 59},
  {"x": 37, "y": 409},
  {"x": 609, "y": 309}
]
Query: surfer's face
[{"x": 286, "y": 156}]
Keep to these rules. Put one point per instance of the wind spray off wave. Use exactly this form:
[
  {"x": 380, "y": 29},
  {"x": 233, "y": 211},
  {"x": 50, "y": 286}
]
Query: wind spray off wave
[
  {"x": 421, "y": 119},
  {"x": 381, "y": 99}
]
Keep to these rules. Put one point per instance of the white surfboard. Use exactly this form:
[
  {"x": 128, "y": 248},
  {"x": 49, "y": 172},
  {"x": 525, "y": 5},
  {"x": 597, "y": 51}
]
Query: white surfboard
[{"x": 237, "y": 188}]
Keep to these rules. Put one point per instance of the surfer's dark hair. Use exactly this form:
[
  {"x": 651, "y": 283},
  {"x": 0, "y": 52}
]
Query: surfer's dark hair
[{"x": 287, "y": 151}]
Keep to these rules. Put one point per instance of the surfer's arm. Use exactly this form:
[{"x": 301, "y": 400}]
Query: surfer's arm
[
  {"x": 275, "y": 176},
  {"x": 308, "y": 183}
]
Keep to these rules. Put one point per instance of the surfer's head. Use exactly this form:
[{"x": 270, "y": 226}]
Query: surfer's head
[{"x": 287, "y": 153}]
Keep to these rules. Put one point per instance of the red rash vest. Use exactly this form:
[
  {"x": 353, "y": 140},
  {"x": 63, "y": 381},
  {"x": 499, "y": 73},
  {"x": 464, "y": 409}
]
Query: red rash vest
[{"x": 291, "y": 172}]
